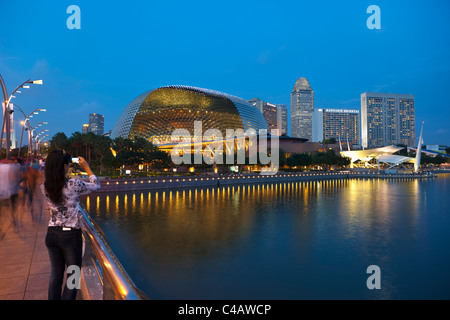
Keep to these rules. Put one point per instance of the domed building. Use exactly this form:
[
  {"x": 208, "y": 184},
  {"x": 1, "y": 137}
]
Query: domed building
[{"x": 155, "y": 114}]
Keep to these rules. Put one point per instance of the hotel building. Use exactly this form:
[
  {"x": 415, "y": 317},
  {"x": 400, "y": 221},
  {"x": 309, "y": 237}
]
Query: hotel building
[
  {"x": 387, "y": 119},
  {"x": 341, "y": 124}
]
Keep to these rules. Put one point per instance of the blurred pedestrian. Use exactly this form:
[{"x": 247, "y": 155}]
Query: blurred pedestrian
[
  {"x": 64, "y": 238},
  {"x": 14, "y": 187},
  {"x": 32, "y": 177},
  {"x": 42, "y": 164},
  {"x": 4, "y": 196}
]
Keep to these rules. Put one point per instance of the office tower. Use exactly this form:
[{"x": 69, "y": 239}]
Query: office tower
[
  {"x": 302, "y": 107},
  {"x": 271, "y": 112},
  {"x": 284, "y": 119},
  {"x": 85, "y": 128},
  {"x": 96, "y": 123},
  {"x": 387, "y": 119},
  {"x": 340, "y": 124}
]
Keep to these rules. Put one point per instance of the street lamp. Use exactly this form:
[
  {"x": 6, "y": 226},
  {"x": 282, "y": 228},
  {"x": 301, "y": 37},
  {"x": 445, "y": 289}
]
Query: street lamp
[
  {"x": 7, "y": 111},
  {"x": 26, "y": 121},
  {"x": 40, "y": 133},
  {"x": 30, "y": 146},
  {"x": 39, "y": 142},
  {"x": 37, "y": 136}
]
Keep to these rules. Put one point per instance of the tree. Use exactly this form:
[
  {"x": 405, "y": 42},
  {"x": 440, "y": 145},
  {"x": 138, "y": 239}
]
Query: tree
[
  {"x": 88, "y": 140},
  {"x": 76, "y": 142},
  {"x": 282, "y": 158},
  {"x": 102, "y": 151},
  {"x": 299, "y": 160},
  {"x": 426, "y": 159},
  {"x": 329, "y": 141},
  {"x": 330, "y": 158},
  {"x": 123, "y": 148},
  {"x": 59, "y": 142}
]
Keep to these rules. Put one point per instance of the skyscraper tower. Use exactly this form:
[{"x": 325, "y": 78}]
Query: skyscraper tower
[
  {"x": 96, "y": 123},
  {"x": 272, "y": 113},
  {"x": 302, "y": 108},
  {"x": 387, "y": 119},
  {"x": 284, "y": 119}
]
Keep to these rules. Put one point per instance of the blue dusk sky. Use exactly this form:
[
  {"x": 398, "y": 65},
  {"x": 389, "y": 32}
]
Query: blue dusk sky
[{"x": 244, "y": 48}]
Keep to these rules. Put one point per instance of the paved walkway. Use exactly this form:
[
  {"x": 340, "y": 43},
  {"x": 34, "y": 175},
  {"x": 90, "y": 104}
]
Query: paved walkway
[{"x": 24, "y": 262}]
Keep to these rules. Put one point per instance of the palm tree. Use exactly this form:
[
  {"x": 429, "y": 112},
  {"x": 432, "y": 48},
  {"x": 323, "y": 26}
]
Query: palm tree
[
  {"x": 59, "y": 141},
  {"x": 88, "y": 141},
  {"x": 102, "y": 147},
  {"x": 77, "y": 141}
]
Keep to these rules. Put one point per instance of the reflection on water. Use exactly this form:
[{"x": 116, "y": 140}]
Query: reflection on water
[{"x": 294, "y": 240}]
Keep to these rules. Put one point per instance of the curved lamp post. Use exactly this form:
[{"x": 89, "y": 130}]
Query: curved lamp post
[
  {"x": 30, "y": 145},
  {"x": 7, "y": 111},
  {"x": 39, "y": 142},
  {"x": 25, "y": 122}
]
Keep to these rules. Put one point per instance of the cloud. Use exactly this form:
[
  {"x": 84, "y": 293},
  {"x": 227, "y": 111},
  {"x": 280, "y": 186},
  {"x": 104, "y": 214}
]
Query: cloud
[
  {"x": 441, "y": 131},
  {"x": 264, "y": 57},
  {"x": 382, "y": 87},
  {"x": 351, "y": 101},
  {"x": 40, "y": 69},
  {"x": 88, "y": 107},
  {"x": 267, "y": 56}
]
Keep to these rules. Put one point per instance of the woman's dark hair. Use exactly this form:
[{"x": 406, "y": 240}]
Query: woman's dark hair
[{"x": 55, "y": 174}]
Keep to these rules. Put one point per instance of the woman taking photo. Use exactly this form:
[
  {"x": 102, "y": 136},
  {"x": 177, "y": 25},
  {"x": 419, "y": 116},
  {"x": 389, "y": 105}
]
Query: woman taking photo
[{"x": 64, "y": 239}]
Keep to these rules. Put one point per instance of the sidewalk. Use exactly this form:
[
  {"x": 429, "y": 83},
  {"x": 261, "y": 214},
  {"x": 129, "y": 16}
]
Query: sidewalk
[{"x": 24, "y": 262}]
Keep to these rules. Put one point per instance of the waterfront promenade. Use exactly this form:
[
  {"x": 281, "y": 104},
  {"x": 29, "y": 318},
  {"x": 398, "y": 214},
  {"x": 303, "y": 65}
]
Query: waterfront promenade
[
  {"x": 205, "y": 180},
  {"x": 24, "y": 261}
]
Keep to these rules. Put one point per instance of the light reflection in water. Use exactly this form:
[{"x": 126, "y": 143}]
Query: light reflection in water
[{"x": 270, "y": 241}]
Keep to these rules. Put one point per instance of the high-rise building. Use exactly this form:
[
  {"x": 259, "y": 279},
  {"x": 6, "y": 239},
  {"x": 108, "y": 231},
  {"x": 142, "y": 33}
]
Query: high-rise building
[
  {"x": 96, "y": 123},
  {"x": 340, "y": 124},
  {"x": 387, "y": 119},
  {"x": 272, "y": 113},
  {"x": 302, "y": 108},
  {"x": 85, "y": 128},
  {"x": 284, "y": 119}
]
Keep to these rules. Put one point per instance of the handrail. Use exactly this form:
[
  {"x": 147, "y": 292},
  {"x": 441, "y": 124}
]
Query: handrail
[{"x": 117, "y": 284}]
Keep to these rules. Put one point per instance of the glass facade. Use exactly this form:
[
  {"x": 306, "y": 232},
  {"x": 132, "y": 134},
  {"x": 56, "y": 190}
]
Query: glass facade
[
  {"x": 155, "y": 114},
  {"x": 96, "y": 123},
  {"x": 284, "y": 119},
  {"x": 302, "y": 108},
  {"x": 272, "y": 113}
]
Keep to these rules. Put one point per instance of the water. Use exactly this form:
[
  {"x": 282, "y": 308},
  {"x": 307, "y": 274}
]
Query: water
[{"x": 305, "y": 240}]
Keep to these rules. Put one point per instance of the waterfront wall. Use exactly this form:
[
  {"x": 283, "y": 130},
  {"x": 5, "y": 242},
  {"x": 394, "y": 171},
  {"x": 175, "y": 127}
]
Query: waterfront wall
[{"x": 175, "y": 182}]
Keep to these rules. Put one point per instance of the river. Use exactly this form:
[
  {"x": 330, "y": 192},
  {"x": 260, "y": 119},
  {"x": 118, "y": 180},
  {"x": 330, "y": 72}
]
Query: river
[{"x": 294, "y": 240}]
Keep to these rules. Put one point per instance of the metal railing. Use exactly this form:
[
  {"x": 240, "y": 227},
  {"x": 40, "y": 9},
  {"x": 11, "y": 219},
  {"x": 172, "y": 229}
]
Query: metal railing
[{"x": 116, "y": 283}]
